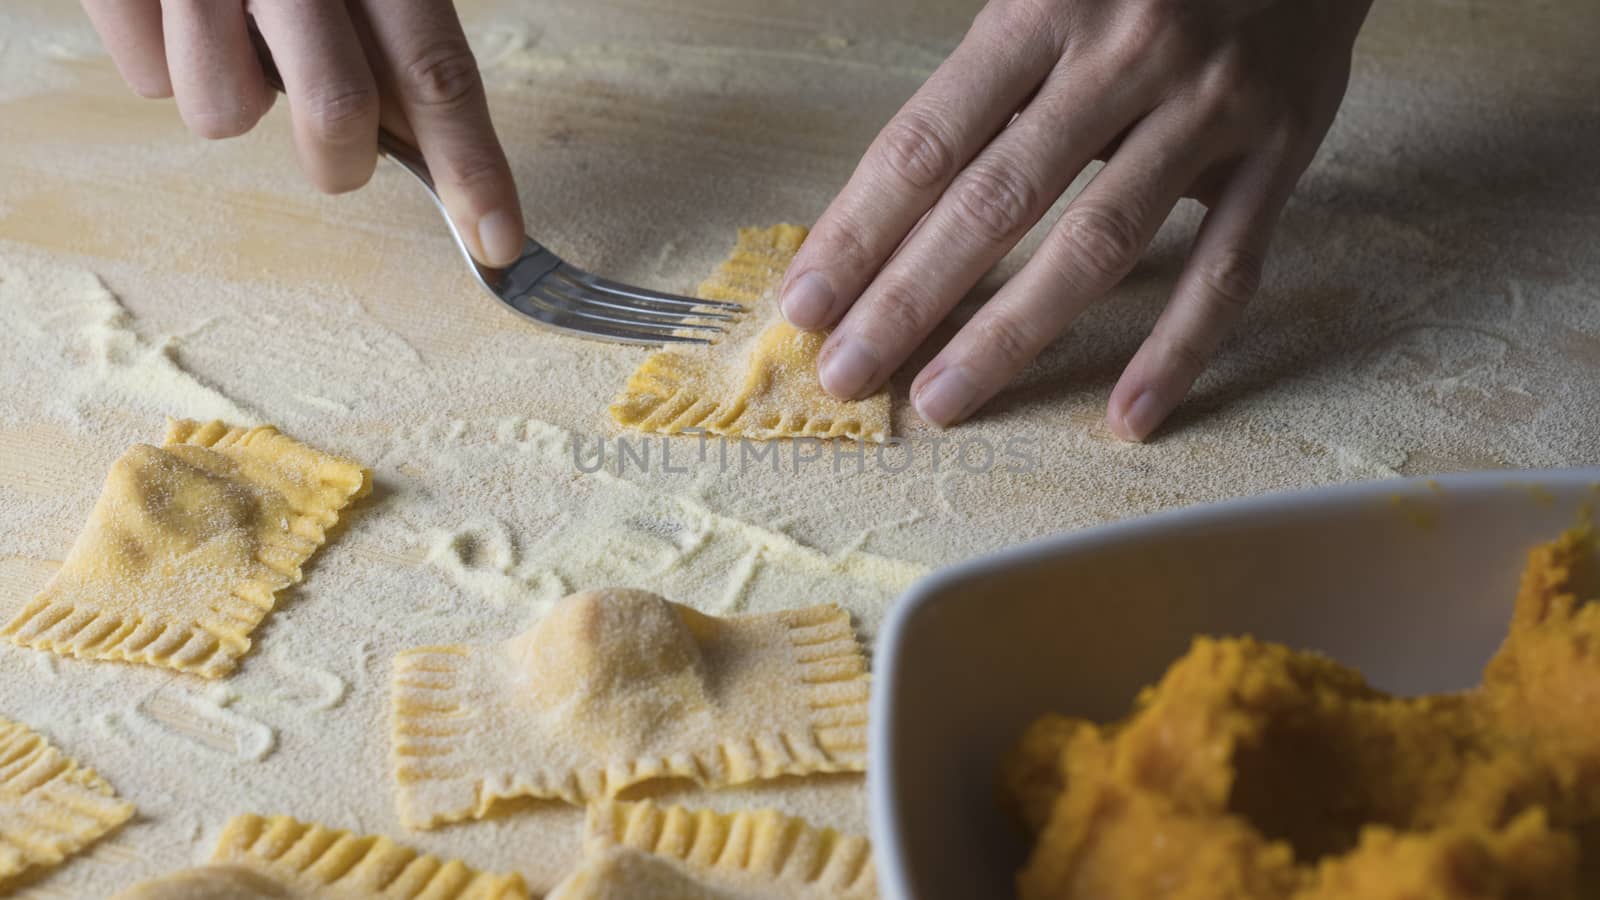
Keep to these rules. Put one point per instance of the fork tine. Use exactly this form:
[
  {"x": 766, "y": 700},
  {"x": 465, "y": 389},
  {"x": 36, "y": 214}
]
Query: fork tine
[
  {"x": 568, "y": 306},
  {"x": 618, "y": 335},
  {"x": 617, "y": 288},
  {"x": 578, "y": 293},
  {"x": 579, "y": 306},
  {"x": 571, "y": 324},
  {"x": 625, "y": 336}
]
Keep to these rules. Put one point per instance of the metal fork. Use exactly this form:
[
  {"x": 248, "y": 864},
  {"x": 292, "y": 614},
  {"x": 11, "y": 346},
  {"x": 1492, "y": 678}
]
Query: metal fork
[{"x": 553, "y": 293}]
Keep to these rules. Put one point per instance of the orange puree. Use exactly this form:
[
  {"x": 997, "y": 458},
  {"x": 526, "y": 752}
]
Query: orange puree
[{"x": 1255, "y": 772}]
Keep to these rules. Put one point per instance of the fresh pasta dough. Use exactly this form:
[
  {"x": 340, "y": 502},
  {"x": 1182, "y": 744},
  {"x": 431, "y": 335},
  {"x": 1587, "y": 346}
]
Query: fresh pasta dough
[
  {"x": 623, "y": 874},
  {"x": 261, "y": 858},
  {"x": 50, "y": 807},
  {"x": 209, "y": 883},
  {"x": 187, "y": 546},
  {"x": 617, "y": 687},
  {"x": 646, "y": 850},
  {"x": 760, "y": 380}
]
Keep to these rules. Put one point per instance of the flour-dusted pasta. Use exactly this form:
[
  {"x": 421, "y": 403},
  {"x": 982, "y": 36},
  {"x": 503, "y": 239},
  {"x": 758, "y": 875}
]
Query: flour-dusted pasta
[
  {"x": 617, "y": 687},
  {"x": 209, "y": 883},
  {"x": 760, "y": 380},
  {"x": 279, "y": 857},
  {"x": 50, "y": 807},
  {"x": 624, "y": 874},
  {"x": 639, "y": 849},
  {"x": 187, "y": 546}
]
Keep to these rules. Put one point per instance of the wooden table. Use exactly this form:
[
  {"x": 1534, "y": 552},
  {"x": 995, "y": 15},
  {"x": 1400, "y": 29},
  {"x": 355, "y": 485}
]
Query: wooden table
[{"x": 1433, "y": 302}]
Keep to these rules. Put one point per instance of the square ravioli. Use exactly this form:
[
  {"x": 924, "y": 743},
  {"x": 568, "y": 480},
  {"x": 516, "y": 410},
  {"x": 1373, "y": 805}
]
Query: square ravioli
[
  {"x": 759, "y": 380},
  {"x": 646, "y": 850},
  {"x": 187, "y": 547},
  {"x": 279, "y": 858},
  {"x": 618, "y": 687},
  {"x": 50, "y": 807}
]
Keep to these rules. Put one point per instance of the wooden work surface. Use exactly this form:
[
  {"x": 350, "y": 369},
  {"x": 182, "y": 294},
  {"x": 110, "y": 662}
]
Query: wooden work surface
[
  {"x": 1457, "y": 192},
  {"x": 1433, "y": 302}
]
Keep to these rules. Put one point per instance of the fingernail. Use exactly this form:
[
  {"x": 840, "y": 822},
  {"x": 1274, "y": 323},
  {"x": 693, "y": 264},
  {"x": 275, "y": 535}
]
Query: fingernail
[
  {"x": 500, "y": 238},
  {"x": 848, "y": 369},
  {"x": 945, "y": 399},
  {"x": 1142, "y": 417},
  {"x": 807, "y": 301}
]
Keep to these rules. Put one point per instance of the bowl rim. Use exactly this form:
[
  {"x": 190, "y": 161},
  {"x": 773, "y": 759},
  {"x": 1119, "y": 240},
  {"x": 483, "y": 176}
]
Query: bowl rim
[{"x": 887, "y": 838}]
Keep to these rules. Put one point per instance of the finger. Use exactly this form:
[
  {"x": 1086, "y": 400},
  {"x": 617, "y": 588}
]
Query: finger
[
  {"x": 1095, "y": 243},
  {"x": 437, "y": 84},
  {"x": 1218, "y": 280},
  {"x": 1003, "y": 58},
  {"x": 131, "y": 30},
  {"x": 333, "y": 97},
  {"x": 982, "y": 215},
  {"x": 215, "y": 76}
]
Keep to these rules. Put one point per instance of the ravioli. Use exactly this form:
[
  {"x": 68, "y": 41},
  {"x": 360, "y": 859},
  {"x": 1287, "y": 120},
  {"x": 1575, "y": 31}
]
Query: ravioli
[
  {"x": 187, "y": 546},
  {"x": 209, "y": 883},
  {"x": 617, "y": 687},
  {"x": 50, "y": 807},
  {"x": 646, "y": 850},
  {"x": 261, "y": 858},
  {"x": 622, "y": 874},
  {"x": 760, "y": 380}
]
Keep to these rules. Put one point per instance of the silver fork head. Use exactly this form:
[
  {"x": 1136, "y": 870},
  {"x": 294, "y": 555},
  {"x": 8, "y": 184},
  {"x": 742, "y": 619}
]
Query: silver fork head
[{"x": 565, "y": 298}]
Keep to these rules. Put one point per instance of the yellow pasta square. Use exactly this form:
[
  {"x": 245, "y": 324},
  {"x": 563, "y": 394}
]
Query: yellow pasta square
[
  {"x": 259, "y": 858},
  {"x": 646, "y": 850},
  {"x": 187, "y": 547},
  {"x": 760, "y": 379},
  {"x": 618, "y": 687},
  {"x": 623, "y": 874},
  {"x": 50, "y": 807}
]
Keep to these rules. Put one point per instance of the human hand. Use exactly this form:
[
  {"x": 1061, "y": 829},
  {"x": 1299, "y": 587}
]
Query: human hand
[
  {"x": 1222, "y": 100},
  {"x": 346, "y": 66}
]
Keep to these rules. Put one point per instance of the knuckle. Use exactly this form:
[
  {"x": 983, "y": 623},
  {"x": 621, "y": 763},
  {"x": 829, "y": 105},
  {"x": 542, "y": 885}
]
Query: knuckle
[
  {"x": 1184, "y": 355},
  {"x": 1022, "y": 21},
  {"x": 442, "y": 74},
  {"x": 1145, "y": 28},
  {"x": 845, "y": 248},
  {"x": 474, "y": 168},
  {"x": 1291, "y": 137},
  {"x": 1293, "y": 134},
  {"x": 914, "y": 149},
  {"x": 900, "y": 312},
  {"x": 1103, "y": 243},
  {"x": 1228, "y": 283},
  {"x": 1219, "y": 82},
  {"x": 1012, "y": 339},
  {"x": 342, "y": 112},
  {"x": 1228, "y": 68},
  {"x": 995, "y": 201},
  {"x": 1234, "y": 97}
]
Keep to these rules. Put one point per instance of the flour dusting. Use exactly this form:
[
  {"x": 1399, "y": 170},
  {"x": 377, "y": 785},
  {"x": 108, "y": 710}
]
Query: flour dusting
[{"x": 1430, "y": 305}]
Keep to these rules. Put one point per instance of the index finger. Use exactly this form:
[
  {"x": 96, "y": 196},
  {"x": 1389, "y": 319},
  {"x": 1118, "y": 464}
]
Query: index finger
[
  {"x": 131, "y": 30},
  {"x": 1007, "y": 52},
  {"x": 422, "y": 54}
]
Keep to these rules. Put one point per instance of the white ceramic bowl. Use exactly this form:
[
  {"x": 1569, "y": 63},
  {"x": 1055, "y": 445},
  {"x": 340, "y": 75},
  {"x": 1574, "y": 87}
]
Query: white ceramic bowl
[{"x": 1410, "y": 581}]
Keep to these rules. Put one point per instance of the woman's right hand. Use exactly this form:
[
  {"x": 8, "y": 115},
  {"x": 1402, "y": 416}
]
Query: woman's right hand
[{"x": 346, "y": 66}]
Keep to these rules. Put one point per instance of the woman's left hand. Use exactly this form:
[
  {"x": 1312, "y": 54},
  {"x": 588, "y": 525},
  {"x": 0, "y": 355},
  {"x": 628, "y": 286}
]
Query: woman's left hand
[{"x": 1223, "y": 100}]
